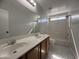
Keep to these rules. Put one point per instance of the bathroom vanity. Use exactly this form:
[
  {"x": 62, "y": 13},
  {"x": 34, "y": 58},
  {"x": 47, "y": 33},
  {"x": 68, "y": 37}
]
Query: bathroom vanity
[{"x": 32, "y": 47}]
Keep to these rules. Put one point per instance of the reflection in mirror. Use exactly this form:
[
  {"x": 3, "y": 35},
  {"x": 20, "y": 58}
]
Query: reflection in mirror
[
  {"x": 4, "y": 23},
  {"x": 33, "y": 27}
]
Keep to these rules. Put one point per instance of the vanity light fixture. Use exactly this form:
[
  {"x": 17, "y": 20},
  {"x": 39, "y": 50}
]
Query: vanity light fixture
[
  {"x": 75, "y": 16},
  {"x": 58, "y": 18}
]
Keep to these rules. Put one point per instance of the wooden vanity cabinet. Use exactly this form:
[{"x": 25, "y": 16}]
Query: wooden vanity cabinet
[
  {"x": 34, "y": 53},
  {"x": 38, "y": 52}
]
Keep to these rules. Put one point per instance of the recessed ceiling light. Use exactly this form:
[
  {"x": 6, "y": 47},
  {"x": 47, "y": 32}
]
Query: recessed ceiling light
[{"x": 32, "y": 2}]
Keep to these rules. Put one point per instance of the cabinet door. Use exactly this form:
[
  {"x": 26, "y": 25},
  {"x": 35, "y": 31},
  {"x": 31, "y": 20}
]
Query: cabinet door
[
  {"x": 34, "y": 53},
  {"x": 47, "y": 45},
  {"x": 44, "y": 48}
]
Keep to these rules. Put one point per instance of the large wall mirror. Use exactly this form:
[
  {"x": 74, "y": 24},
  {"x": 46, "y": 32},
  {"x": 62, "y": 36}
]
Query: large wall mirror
[{"x": 4, "y": 23}]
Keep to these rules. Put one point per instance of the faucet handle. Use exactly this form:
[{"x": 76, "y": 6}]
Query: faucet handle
[{"x": 11, "y": 42}]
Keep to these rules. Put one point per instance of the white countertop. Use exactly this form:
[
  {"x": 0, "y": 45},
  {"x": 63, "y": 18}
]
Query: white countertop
[{"x": 31, "y": 42}]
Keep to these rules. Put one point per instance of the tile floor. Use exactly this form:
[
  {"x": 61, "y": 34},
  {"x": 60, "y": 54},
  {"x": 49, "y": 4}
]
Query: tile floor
[{"x": 59, "y": 52}]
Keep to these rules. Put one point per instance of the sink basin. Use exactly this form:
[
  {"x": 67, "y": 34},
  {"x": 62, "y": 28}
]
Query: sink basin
[
  {"x": 16, "y": 45},
  {"x": 11, "y": 49},
  {"x": 8, "y": 50}
]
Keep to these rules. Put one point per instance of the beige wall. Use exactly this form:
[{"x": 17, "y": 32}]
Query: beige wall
[
  {"x": 57, "y": 29},
  {"x": 75, "y": 29}
]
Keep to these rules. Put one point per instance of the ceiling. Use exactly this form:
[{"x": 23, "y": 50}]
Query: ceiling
[{"x": 52, "y": 7}]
